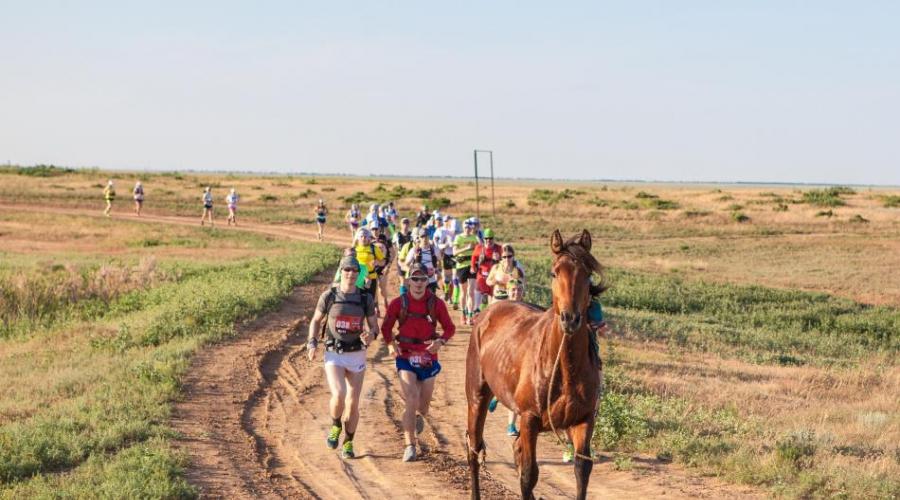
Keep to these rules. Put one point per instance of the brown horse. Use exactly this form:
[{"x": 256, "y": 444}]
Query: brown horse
[{"x": 514, "y": 350}]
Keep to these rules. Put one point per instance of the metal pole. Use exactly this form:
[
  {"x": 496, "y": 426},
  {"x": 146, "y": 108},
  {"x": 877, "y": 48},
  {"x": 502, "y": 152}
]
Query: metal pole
[
  {"x": 493, "y": 208},
  {"x": 477, "y": 200}
]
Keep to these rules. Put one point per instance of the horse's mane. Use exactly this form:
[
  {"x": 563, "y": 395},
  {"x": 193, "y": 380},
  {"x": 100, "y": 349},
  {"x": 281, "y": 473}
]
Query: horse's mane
[{"x": 574, "y": 250}]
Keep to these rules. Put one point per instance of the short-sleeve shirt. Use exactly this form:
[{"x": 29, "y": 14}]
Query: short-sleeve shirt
[{"x": 346, "y": 319}]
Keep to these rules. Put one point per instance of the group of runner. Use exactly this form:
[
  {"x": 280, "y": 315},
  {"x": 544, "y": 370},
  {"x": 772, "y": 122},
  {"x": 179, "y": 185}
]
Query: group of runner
[
  {"x": 439, "y": 263},
  {"x": 432, "y": 253},
  {"x": 137, "y": 193}
]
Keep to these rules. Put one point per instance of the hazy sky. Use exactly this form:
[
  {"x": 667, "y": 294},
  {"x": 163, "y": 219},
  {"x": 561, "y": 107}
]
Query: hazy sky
[{"x": 666, "y": 90}]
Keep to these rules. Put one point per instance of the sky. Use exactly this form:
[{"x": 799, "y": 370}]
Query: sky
[{"x": 710, "y": 91}]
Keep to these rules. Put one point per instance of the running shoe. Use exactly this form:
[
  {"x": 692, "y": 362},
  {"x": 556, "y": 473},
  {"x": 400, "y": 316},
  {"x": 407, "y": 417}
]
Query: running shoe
[
  {"x": 569, "y": 454},
  {"x": 492, "y": 405},
  {"x": 409, "y": 453},
  {"x": 347, "y": 450},
  {"x": 511, "y": 430},
  {"x": 333, "y": 435}
]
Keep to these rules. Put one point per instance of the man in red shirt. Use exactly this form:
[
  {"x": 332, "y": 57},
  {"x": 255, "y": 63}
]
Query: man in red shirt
[
  {"x": 415, "y": 348},
  {"x": 483, "y": 259}
]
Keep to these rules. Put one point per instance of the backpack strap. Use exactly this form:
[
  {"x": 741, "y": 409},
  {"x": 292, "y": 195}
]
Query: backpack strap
[{"x": 329, "y": 301}]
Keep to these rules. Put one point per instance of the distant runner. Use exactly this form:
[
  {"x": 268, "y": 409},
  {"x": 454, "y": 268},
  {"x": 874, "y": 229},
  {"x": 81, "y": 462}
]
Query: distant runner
[
  {"x": 232, "y": 201},
  {"x": 321, "y": 213},
  {"x": 109, "y": 194},
  {"x": 352, "y": 219},
  {"x": 207, "y": 206},
  {"x": 138, "y": 194},
  {"x": 463, "y": 247}
]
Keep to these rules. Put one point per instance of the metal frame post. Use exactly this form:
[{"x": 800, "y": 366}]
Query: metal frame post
[{"x": 477, "y": 194}]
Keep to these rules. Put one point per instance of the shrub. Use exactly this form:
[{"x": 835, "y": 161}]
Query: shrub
[
  {"x": 825, "y": 213},
  {"x": 726, "y": 197},
  {"x": 439, "y": 203},
  {"x": 551, "y": 197},
  {"x": 44, "y": 171},
  {"x": 645, "y": 195},
  {"x": 359, "y": 198},
  {"x": 660, "y": 204},
  {"x": 510, "y": 204},
  {"x": 891, "y": 201},
  {"x": 268, "y": 198},
  {"x": 859, "y": 219},
  {"x": 303, "y": 194},
  {"x": 796, "y": 449},
  {"x": 740, "y": 217},
  {"x": 830, "y": 197},
  {"x": 781, "y": 207},
  {"x": 696, "y": 213}
]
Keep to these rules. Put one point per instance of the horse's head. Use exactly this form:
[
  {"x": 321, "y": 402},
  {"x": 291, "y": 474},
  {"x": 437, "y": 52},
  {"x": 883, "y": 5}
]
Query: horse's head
[{"x": 572, "y": 267}]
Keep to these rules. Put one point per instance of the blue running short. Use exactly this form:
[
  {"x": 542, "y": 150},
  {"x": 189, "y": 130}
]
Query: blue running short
[{"x": 421, "y": 373}]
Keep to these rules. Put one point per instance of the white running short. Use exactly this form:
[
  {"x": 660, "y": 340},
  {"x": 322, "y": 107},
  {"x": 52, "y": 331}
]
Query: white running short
[{"x": 351, "y": 361}]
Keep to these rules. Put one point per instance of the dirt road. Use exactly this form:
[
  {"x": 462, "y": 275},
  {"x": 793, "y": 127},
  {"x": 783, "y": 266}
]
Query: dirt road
[{"x": 255, "y": 415}]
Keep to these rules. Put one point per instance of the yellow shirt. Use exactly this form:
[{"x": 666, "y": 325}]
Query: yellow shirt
[{"x": 365, "y": 257}]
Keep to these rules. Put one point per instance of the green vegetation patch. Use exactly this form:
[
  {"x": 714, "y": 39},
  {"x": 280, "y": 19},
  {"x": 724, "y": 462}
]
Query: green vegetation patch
[
  {"x": 111, "y": 434},
  {"x": 552, "y": 197},
  {"x": 891, "y": 201},
  {"x": 830, "y": 197},
  {"x": 37, "y": 170}
]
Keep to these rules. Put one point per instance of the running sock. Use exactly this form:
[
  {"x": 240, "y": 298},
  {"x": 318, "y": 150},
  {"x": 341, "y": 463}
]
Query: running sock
[
  {"x": 348, "y": 436},
  {"x": 337, "y": 423}
]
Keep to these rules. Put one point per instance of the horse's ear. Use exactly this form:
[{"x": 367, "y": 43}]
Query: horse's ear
[
  {"x": 556, "y": 242},
  {"x": 585, "y": 240}
]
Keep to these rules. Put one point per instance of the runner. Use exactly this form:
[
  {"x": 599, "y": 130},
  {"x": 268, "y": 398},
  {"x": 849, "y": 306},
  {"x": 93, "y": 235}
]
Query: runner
[
  {"x": 207, "y": 206},
  {"x": 423, "y": 216},
  {"x": 138, "y": 194},
  {"x": 109, "y": 194},
  {"x": 345, "y": 309},
  {"x": 443, "y": 240},
  {"x": 381, "y": 241},
  {"x": 363, "y": 271},
  {"x": 598, "y": 328},
  {"x": 370, "y": 256},
  {"x": 390, "y": 214},
  {"x": 463, "y": 247},
  {"x": 403, "y": 241},
  {"x": 483, "y": 259},
  {"x": 424, "y": 252},
  {"x": 321, "y": 213},
  {"x": 508, "y": 269},
  {"x": 416, "y": 350},
  {"x": 352, "y": 219},
  {"x": 505, "y": 275},
  {"x": 232, "y": 200}
]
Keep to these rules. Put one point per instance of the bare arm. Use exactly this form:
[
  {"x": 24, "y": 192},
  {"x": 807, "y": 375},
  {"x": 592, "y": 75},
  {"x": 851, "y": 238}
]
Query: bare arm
[{"x": 312, "y": 339}]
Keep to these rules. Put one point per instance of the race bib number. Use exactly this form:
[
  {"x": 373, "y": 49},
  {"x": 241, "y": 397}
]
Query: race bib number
[
  {"x": 348, "y": 324},
  {"x": 420, "y": 359}
]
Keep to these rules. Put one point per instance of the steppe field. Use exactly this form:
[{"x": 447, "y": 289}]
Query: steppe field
[{"x": 753, "y": 353}]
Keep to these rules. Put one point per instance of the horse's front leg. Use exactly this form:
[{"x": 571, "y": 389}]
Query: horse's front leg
[
  {"x": 581, "y": 440},
  {"x": 478, "y": 396},
  {"x": 526, "y": 454}
]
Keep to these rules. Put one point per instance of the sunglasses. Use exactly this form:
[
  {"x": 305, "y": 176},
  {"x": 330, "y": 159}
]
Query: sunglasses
[
  {"x": 351, "y": 270},
  {"x": 508, "y": 256},
  {"x": 419, "y": 279}
]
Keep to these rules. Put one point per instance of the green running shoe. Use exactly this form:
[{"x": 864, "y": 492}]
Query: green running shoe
[
  {"x": 347, "y": 450},
  {"x": 333, "y": 435},
  {"x": 569, "y": 454}
]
